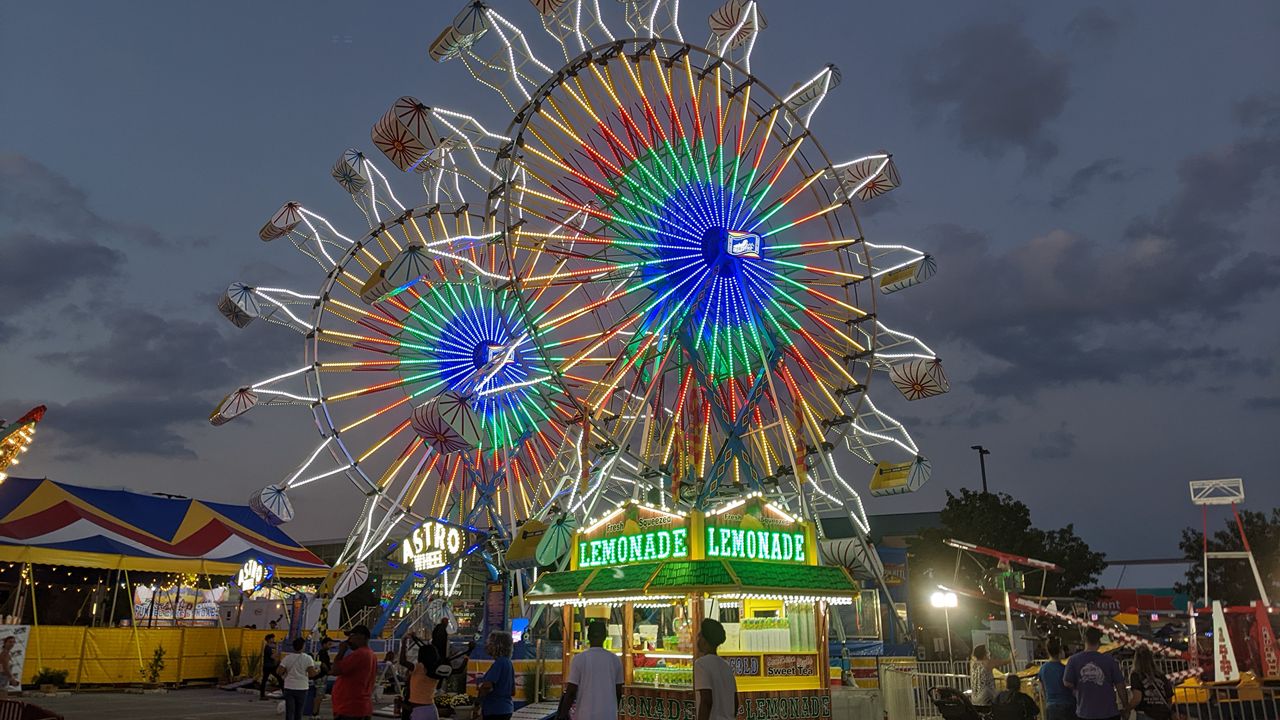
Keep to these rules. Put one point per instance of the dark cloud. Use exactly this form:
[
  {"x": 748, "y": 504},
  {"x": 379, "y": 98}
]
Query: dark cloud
[
  {"x": 1062, "y": 309},
  {"x": 1093, "y": 27},
  {"x": 37, "y": 268},
  {"x": 177, "y": 355},
  {"x": 1269, "y": 403},
  {"x": 994, "y": 89},
  {"x": 34, "y": 197},
  {"x": 1104, "y": 171},
  {"x": 127, "y": 424},
  {"x": 1259, "y": 111},
  {"x": 1058, "y": 444}
]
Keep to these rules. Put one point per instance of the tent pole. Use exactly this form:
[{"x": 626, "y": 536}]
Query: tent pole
[
  {"x": 222, "y": 630},
  {"x": 133, "y": 623},
  {"x": 35, "y": 621},
  {"x": 115, "y": 593}
]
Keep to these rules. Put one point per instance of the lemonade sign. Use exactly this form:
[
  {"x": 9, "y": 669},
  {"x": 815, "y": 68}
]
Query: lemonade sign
[{"x": 634, "y": 533}]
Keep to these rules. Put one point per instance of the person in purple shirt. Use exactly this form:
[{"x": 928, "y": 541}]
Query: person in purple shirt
[{"x": 1098, "y": 682}]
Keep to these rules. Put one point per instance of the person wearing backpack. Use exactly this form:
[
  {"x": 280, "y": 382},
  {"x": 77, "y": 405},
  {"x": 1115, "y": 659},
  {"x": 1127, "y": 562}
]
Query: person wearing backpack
[{"x": 1150, "y": 692}]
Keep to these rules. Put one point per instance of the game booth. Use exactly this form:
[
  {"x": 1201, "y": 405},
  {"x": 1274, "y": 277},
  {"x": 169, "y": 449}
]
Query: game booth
[{"x": 652, "y": 574}]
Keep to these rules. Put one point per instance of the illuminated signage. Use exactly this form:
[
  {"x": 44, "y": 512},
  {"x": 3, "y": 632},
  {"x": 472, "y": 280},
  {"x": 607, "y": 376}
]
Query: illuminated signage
[
  {"x": 431, "y": 546},
  {"x": 649, "y": 546},
  {"x": 253, "y": 575},
  {"x": 770, "y": 545}
]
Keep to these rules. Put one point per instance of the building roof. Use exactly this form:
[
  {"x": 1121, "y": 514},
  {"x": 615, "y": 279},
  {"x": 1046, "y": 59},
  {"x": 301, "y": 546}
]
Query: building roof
[
  {"x": 47, "y": 522},
  {"x": 882, "y": 526}
]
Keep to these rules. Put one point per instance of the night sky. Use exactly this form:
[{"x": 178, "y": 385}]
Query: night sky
[{"x": 1098, "y": 183}]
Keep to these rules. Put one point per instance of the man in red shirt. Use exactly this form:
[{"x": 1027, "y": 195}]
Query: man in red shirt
[{"x": 355, "y": 668}]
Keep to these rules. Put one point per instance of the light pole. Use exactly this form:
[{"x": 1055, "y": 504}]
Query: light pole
[
  {"x": 982, "y": 461},
  {"x": 946, "y": 601}
]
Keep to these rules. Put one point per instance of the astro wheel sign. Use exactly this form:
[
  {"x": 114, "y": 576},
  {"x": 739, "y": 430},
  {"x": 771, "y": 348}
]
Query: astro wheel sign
[{"x": 431, "y": 546}]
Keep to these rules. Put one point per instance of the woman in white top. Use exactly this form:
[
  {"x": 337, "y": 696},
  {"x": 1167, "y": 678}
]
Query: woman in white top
[
  {"x": 713, "y": 679},
  {"x": 296, "y": 671},
  {"x": 980, "y": 678}
]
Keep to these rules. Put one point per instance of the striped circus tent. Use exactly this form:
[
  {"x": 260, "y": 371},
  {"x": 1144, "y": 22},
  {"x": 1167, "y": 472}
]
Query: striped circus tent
[{"x": 47, "y": 522}]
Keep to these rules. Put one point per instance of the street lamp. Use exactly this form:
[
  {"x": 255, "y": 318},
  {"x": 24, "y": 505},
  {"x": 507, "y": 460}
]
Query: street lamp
[
  {"x": 945, "y": 600},
  {"x": 982, "y": 460}
]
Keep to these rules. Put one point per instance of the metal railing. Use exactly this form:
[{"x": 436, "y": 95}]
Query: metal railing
[
  {"x": 906, "y": 685},
  {"x": 1247, "y": 702}
]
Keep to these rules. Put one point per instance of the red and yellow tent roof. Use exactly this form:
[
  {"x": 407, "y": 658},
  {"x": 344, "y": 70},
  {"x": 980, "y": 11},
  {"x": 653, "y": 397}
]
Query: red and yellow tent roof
[{"x": 42, "y": 521}]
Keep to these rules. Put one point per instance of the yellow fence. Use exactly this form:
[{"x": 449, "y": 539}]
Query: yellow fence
[{"x": 96, "y": 656}]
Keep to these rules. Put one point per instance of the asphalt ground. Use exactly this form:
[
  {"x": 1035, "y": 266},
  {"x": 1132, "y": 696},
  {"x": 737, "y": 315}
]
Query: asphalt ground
[{"x": 194, "y": 704}]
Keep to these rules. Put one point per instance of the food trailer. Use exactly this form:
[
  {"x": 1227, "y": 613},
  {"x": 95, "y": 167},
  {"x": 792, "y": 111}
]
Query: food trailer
[{"x": 652, "y": 574}]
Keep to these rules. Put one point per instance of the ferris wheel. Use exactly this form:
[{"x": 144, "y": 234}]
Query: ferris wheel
[{"x": 653, "y": 284}]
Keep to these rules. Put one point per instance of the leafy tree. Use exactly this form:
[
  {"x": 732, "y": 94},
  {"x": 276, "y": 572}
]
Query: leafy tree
[
  {"x": 998, "y": 521},
  {"x": 1231, "y": 581}
]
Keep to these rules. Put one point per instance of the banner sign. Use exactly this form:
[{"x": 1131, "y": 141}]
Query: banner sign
[
  {"x": 790, "y": 665},
  {"x": 164, "y": 605},
  {"x": 1224, "y": 655},
  {"x": 495, "y": 607},
  {"x": 755, "y": 529},
  {"x": 642, "y": 703},
  {"x": 633, "y": 533},
  {"x": 744, "y": 665},
  {"x": 785, "y": 705},
  {"x": 13, "y": 641},
  {"x": 767, "y": 545}
]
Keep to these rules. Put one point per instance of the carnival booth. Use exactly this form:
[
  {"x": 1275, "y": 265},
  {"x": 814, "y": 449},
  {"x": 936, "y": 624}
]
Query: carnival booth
[{"x": 652, "y": 574}]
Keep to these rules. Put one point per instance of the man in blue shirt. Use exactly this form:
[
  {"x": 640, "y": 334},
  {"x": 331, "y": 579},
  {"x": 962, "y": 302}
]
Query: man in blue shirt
[
  {"x": 1099, "y": 684},
  {"x": 499, "y": 682},
  {"x": 1058, "y": 701}
]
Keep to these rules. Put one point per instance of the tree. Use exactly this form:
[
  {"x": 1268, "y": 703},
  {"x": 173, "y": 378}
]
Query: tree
[
  {"x": 1231, "y": 581},
  {"x": 998, "y": 521}
]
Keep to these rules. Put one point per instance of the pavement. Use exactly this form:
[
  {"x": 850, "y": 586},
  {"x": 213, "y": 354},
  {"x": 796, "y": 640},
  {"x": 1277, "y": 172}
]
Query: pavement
[{"x": 192, "y": 704}]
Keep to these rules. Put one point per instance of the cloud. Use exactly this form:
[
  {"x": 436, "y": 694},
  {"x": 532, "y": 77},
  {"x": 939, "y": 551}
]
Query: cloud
[
  {"x": 127, "y": 424},
  {"x": 995, "y": 89},
  {"x": 143, "y": 350},
  {"x": 1104, "y": 171},
  {"x": 37, "y": 268},
  {"x": 1259, "y": 111},
  {"x": 35, "y": 197},
  {"x": 1058, "y": 444},
  {"x": 1270, "y": 403},
  {"x": 1093, "y": 27}
]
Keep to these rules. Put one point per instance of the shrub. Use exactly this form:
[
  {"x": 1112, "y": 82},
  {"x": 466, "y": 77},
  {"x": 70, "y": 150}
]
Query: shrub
[
  {"x": 49, "y": 676},
  {"x": 151, "y": 671},
  {"x": 234, "y": 662}
]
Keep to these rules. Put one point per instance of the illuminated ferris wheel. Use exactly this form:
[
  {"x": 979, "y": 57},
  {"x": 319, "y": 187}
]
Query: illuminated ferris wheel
[{"x": 653, "y": 284}]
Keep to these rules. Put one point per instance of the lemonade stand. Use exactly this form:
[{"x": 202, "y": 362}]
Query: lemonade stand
[{"x": 652, "y": 574}]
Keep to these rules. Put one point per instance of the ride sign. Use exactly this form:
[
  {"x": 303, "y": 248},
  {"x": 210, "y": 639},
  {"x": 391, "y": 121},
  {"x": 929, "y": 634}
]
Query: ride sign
[{"x": 431, "y": 546}]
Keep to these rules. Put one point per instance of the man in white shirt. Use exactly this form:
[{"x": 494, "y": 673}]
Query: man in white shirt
[
  {"x": 296, "y": 671},
  {"x": 595, "y": 680},
  {"x": 713, "y": 679}
]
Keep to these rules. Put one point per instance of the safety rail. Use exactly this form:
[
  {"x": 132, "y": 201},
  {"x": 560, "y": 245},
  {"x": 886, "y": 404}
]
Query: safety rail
[{"x": 1239, "y": 702}]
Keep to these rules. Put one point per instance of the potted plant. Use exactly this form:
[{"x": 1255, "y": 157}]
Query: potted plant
[{"x": 49, "y": 680}]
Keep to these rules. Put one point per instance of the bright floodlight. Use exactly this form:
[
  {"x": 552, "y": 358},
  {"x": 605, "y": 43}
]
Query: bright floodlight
[{"x": 943, "y": 599}]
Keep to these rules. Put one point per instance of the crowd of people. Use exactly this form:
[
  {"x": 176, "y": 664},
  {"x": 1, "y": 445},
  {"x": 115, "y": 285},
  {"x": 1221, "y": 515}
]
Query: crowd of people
[
  {"x": 1089, "y": 686},
  {"x": 350, "y": 676}
]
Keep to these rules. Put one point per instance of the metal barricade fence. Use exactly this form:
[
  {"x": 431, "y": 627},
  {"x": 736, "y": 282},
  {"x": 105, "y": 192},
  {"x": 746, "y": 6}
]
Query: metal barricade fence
[{"x": 1248, "y": 702}]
